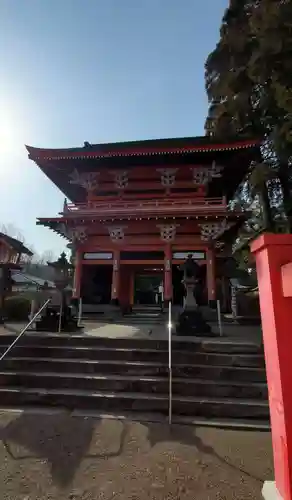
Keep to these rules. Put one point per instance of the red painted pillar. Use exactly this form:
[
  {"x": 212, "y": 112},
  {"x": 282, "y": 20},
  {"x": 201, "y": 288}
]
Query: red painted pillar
[
  {"x": 116, "y": 276},
  {"x": 77, "y": 275},
  {"x": 132, "y": 287},
  {"x": 167, "y": 274},
  {"x": 125, "y": 286},
  {"x": 272, "y": 253},
  {"x": 211, "y": 275}
]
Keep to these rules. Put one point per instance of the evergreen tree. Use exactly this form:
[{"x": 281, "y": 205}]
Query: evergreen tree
[
  {"x": 249, "y": 82},
  {"x": 231, "y": 91},
  {"x": 270, "y": 67}
]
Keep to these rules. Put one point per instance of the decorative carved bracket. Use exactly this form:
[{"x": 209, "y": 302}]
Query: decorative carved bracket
[
  {"x": 87, "y": 180},
  {"x": 79, "y": 233},
  {"x": 63, "y": 229},
  {"x": 212, "y": 230},
  {"x": 203, "y": 175},
  {"x": 167, "y": 176},
  {"x": 116, "y": 233},
  {"x": 121, "y": 179},
  {"x": 167, "y": 231}
]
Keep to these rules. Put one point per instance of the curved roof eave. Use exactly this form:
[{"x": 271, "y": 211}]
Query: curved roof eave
[{"x": 141, "y": 148}]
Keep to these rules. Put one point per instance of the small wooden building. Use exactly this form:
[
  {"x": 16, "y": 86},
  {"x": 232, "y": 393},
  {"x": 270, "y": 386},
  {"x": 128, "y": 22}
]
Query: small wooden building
[{"x": 12, "y": 250}]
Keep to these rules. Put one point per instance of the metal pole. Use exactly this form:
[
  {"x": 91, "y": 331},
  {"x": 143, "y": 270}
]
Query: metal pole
[
  {"x": 61, "y": 312},
  {"x": 79, "y": 312},
  {"x": 169, "y": 365},
  {"x": 24, "y": 329},
  {"x": 219, "y": 318}
]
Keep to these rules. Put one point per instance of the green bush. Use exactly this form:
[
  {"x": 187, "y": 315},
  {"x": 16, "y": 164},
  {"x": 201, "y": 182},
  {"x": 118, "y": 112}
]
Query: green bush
[{"x": 17, "y": 308}]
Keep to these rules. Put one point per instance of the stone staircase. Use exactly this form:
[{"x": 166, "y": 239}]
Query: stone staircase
[
  {"x": 143, "y": 315},
  {"x": 215, "y": 380}
]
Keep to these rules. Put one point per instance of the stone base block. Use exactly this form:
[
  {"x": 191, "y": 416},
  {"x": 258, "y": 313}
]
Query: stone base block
[
  {"x": 191, "y": 322},
  {"x": 51, "y": 324},
  {"x": 270, "y": 491}
]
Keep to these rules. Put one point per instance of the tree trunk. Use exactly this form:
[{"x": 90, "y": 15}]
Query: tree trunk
[{"x": 268, "y": 222}]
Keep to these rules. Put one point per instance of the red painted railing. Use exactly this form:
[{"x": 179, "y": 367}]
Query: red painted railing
[{"x": 146, "y": 206}]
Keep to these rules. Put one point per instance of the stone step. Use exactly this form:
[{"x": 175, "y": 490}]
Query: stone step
[
  {"x": 127, "y": 320},
  {"x": 128, "y": 383},
  {"x": 127, "y": 354},
  {"x": 138, "y": 368},
  {"x": 110, "y": 401},
  {"x": 139, "y": 317},
  {"x": 146, "y": 314},
  {"x": 145, "y": 308},
  {"x": 191, "y": 344},
  {"x": 143, "y": 320}
]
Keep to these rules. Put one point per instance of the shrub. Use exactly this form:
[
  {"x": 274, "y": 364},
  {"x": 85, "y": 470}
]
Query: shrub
[{"x": 17, "y": 308}]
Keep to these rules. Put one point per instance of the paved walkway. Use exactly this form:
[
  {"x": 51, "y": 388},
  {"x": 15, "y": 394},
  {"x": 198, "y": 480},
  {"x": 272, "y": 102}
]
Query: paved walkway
[
  {"x": 237, "y": 333},
  {"x": 61, "y": 457},
  {"x": 112, "y": 330}
]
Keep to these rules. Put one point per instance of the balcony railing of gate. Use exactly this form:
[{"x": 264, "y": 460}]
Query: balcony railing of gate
[{"x": 147, "y": 206}]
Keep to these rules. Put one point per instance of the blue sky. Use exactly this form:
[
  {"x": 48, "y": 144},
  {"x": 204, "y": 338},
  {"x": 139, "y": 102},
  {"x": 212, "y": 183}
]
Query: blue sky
[{"x": 98, "y": 71}]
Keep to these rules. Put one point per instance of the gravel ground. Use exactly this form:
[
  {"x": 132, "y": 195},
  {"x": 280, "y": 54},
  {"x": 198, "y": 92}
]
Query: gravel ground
[{"x": 58, "y": 456}]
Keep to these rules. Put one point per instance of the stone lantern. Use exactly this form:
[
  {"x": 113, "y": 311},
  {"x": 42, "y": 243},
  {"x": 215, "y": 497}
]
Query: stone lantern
[
  {"x": 191, "y": 320},
  {"x": 62, "y": 272},
  {"x": 58, "y": 316}
]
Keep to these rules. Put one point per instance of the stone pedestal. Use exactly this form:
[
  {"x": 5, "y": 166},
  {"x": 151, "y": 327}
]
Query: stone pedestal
[
  {"x": 50, "y": 321},
  {"x": 113, "y": 311},
  {"x": 190, "y": 302},
  {"x": 270, "y": 491},
  {"x": 191, "y": 321},
  {"x": 50, "y": 317}
]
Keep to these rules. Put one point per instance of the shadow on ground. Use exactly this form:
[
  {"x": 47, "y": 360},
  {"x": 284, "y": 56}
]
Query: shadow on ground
[
  {"x": 62, "y": 440},
  {"x": 187, "y": 435}
]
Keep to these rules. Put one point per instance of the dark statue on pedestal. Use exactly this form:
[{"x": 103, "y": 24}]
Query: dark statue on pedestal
[{"x": 191, "y": 321}]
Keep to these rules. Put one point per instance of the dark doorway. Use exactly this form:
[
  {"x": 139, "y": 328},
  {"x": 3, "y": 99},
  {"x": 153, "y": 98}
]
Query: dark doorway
[
  {"x": 202, "y": 291},
  {"x": 146, "y": 288},
  {"x": 96, "y": 284},
  {"x": 178, "y": 290}
]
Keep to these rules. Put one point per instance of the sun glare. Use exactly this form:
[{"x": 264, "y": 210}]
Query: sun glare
[
  {"x": 7, "y": 139},
  {"x": 12, "y": 136},
  {"x": 12, "y": 129},
  {"x": 12, "y": 147}
]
